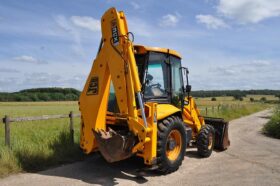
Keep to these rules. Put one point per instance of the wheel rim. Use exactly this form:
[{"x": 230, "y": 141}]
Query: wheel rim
[
  {"x": 210, "y": 140},
  {"x": 173, "y": 151}
]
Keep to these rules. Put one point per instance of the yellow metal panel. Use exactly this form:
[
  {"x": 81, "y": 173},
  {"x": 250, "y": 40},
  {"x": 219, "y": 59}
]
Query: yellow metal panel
[
  {"x": 191, "y": 115},
  {"x": 115, "y": 62},
  {"x": 140, "y": 49},
  {"x": 150, "y": 147},
  {"x": 94, "y": 117},
  {"x": 165, "y": 110}
]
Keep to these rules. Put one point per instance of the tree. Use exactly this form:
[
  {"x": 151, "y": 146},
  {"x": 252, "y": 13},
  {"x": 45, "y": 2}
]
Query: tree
[
  {"x": 238, "y": 97},
  {"x": 71, "y": 97},
  {"x": 252, "y": 99}
]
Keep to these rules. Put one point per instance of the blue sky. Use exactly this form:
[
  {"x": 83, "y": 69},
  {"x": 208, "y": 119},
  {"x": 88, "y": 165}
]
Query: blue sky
[{"x": 226, "y": 44}]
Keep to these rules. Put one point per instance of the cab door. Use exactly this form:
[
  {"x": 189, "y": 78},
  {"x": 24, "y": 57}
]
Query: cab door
[{"x": 177, "y": 94}]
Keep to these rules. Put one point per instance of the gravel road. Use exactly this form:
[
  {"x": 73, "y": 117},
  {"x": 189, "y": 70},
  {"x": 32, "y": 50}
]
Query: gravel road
[{"x": 252, "y": 159}]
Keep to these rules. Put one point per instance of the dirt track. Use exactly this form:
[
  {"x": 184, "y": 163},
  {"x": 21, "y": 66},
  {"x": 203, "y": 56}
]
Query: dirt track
[{"x": 252, "y": 159}]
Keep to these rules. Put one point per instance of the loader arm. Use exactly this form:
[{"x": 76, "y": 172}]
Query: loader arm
[{"x": 115, "y": 62}]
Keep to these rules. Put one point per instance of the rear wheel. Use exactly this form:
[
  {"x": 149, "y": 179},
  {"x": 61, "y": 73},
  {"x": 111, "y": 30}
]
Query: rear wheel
[
  {"x": 206, "y": 141},
  {"x": 171, "y": 144}
]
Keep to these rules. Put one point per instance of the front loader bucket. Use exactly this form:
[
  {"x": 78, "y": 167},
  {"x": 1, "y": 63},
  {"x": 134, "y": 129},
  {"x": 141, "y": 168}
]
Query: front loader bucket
[
  {"x": 222, "y": 141},
  {"x": 113, "y": 146}
]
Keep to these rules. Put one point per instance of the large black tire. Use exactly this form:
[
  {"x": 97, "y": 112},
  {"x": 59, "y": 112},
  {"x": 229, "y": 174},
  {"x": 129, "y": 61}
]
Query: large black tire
[
  {"x": 205, "y": 141},
  {"x": 171, "y": 134}
]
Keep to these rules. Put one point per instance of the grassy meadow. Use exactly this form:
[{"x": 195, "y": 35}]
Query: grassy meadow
[
  {"x": 37, "y": 145},
  {"x": 230, "y": 109}
]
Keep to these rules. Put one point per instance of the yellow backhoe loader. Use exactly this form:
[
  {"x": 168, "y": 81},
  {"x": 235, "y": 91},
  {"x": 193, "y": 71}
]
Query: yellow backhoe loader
[{"x": 136, "y": 102}]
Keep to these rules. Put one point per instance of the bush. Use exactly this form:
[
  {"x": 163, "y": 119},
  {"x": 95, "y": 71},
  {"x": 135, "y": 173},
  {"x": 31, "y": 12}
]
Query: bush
[
  {"x": 263, "y": 99},
  {"x": 252, "y": 99},
  {"x": 272, "y": 128},
  {"x": 213, "y": 99},
  {"x": 238, "y": 97}
]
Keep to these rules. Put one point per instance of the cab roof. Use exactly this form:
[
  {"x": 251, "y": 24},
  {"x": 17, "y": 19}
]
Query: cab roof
[{"x": 140, "y": 49}]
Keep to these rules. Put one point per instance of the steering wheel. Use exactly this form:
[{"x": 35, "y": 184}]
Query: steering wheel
[{"x": 157, "y": 85}]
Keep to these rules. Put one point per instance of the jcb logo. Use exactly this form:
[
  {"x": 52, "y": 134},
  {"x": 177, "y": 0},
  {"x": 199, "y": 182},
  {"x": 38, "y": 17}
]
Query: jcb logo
[{"x": 115, "y": 34}]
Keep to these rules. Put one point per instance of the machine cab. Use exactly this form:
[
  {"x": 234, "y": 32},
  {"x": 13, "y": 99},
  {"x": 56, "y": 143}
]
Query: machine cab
[{"x": 160, "y": 74}]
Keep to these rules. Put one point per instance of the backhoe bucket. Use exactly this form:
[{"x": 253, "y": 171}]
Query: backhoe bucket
[
  {"x": 113, "y": 146},
  {"x": 222, "y": 141}
]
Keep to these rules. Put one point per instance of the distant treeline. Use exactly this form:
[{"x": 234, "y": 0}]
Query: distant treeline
[
  {"x": 71, "y": 94},
  {"x": 234, "y": 93},
  {"x": 42, "y": 94}
]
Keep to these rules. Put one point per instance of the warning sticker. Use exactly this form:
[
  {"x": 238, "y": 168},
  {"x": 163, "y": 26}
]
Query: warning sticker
[{"x": 93, "y": 86}]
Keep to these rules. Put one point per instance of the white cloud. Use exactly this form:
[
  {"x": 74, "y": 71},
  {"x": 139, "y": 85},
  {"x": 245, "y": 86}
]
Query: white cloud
[
  {"x": 63, "y": 23},
  {"x": 211, "y": 22},
  {"x": 135, "y": 5},
  {"x": 169, "y": 20},
  {"x": 8, "y": 70},
  {"x": 86, "y": 22},
  {"x": 72, "y": 32},
  {"x": 254, "y": 67},
  {"x": 29, "y": 59},
  {"x": 249, "y": 11},
  {"x": 42, "y": 79},
  {"x": 260, "y": 63},
  {"x": 239, "y": 74}
]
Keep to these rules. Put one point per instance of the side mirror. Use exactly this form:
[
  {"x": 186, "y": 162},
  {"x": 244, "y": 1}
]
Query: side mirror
[{"x": 188, "y": 88}]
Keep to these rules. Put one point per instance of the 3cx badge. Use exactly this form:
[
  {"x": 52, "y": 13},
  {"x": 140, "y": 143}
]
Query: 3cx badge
[{"x": 115, "y": 34}]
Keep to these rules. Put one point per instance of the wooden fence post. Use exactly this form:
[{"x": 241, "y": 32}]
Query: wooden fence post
[
  {"x": 213, "y": 109},
  {"x": 6, "y": 120},
  {"x": 71, "y": 116},
  {"x": 206, "y": 111}
]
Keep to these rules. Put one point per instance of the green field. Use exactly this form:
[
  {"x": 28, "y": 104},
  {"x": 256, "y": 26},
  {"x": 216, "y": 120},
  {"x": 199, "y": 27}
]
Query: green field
[
  {"x": 37, "y": 145},
  {"x": 230, "y": 109}
]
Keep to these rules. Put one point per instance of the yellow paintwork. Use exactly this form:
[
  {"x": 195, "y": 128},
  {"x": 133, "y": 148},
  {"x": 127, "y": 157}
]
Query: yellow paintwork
[
  {"x": 174, "y": 153},
  {"x": 165, "y": 110},
  {"x": 120, "y": 68},
  {"x": 108, "y": 68},
  {"x": 191, "y": 116},
  {"x": 140, "y": 49}
]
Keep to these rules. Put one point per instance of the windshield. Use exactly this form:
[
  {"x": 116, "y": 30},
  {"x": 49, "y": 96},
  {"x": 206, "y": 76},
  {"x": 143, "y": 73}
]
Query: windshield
[{"x": 156, "y": 76}]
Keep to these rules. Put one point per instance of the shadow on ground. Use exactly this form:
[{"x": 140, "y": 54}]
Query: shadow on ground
[{"x": 95, "y": 170}]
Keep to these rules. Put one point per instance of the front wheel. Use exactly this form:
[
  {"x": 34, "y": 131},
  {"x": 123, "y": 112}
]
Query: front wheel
[
  {"x": 171, "y": 144},
  {"x": 206, "y": 141}
]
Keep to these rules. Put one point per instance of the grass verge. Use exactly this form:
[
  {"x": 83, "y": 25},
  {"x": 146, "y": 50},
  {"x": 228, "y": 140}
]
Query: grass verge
[
  {"x": 32, "y": 158},
  {"x": 230, "y": 112},
  {"x": 272, "y": 127},
  {"x": 38, "y": 145}
]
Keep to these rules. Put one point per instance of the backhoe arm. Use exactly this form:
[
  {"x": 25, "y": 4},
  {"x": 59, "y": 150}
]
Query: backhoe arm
[{"x": 114, "y": 62}]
